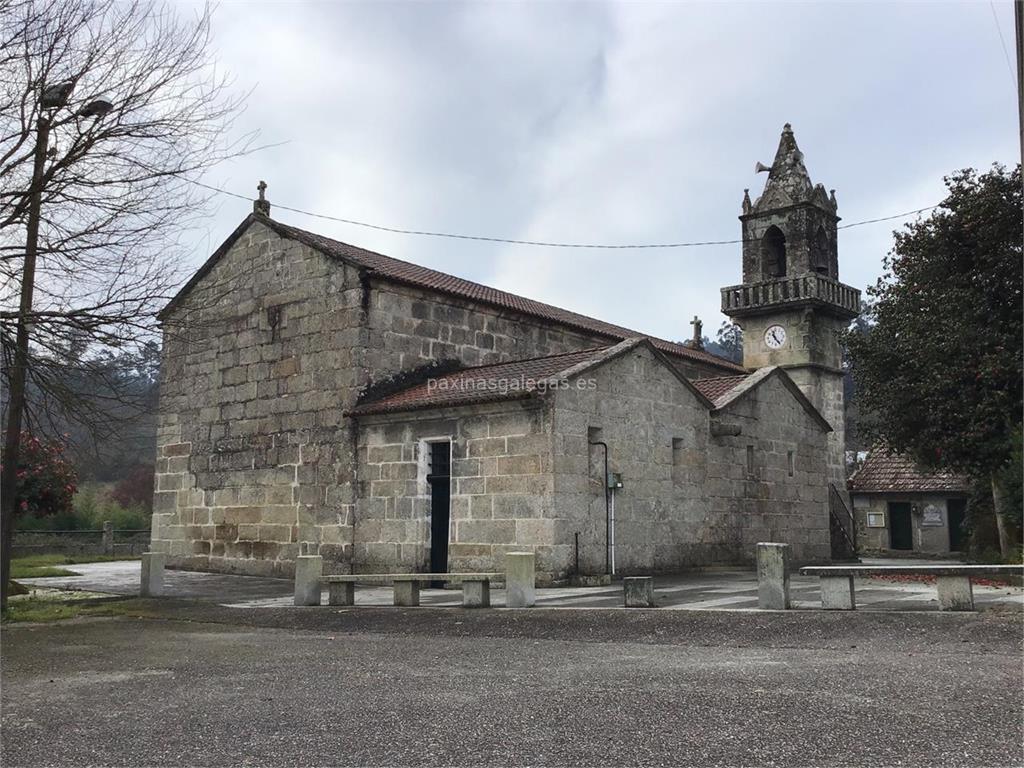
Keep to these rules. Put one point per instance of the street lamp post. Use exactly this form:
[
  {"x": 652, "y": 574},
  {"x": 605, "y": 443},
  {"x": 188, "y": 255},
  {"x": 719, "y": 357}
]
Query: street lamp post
[{"x": 52, "y": 98}]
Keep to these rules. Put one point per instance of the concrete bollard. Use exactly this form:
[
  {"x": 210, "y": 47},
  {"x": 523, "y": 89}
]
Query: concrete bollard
[
  {"x": 520, "y": 588},
  {"x": 308, "y": 571},
  {"x": 955, "y": 593},
  {"x": 108, "y": 537},
  {"x": 773, "y": 576},
  {"x": 152, "y": 583},
  {"x": 638, "y": 591}
]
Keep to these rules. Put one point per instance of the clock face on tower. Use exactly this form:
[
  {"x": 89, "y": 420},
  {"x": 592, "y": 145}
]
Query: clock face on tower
[{"x": 775, "y": 336}]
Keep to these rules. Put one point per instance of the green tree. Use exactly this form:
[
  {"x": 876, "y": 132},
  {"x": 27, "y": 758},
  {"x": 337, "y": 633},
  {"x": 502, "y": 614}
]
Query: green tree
[
  {"x": 939, "y": 372},
  {"x": 728, "y": 342}
]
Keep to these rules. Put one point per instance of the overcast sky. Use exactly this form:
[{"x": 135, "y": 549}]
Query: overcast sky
[{"x": 613, "y": 123}]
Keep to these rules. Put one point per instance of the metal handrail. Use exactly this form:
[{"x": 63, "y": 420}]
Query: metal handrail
[{"x": 848, "y": 533}]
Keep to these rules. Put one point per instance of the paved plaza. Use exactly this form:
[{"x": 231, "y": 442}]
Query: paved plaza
[
  {"x": 224, "y": 671},
  {"x": 196, "y": 683},
  {"x": 716, "y": 590}
]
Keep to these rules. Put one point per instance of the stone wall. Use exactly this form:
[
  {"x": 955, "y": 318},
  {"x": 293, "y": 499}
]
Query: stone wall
[
  {"x": 801, "y": 225},
  {"x": 409, "y": 327},
  {"x": 253, "y": 451},
  {"x": 656, "y": 430},
  {"x": 500, "y": 489},
  {"x": 811, "y": 356},
  {"x": 261, "y": 361},
  {"x": 769, "y": 483}
]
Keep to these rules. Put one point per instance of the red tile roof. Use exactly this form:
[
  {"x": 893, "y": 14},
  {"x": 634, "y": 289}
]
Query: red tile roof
[
  {"x": 482, "y": 384},
  {"x": 422, "y": 277},
  {"x": 714, "y": 388},
  {"x": 883, "y": 471}
]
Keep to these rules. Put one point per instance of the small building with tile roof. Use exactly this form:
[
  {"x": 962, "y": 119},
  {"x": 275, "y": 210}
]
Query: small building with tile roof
[
  {"x": 319, "y": 397},
  {"x": 900, "y": 507}
]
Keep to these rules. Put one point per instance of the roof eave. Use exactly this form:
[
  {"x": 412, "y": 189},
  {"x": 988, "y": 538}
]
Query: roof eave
[{"x": 762, "y": 375}]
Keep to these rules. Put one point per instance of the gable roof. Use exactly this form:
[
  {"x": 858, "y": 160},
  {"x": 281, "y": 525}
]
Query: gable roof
[
  {"x": 478, "y": 384},
  {"x": 511, "y": 380},
  {"x": 749, "y": 383},
  {"x": 379, "y": 265},
  {"x": 884, "y": 471},
  {"x": 714, "y": 388}
]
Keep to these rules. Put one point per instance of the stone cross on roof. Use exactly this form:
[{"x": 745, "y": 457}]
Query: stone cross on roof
[
  {"x": 262, "y": 205},
  {"x": 698, "y": 333}
]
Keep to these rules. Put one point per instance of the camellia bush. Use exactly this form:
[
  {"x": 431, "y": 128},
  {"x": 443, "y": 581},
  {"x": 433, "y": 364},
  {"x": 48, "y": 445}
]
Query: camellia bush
[{"x": 46, "y": 479}]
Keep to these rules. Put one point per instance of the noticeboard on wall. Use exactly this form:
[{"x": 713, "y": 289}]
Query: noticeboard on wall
[
  {"x": 876, "y": 519},
  {"x": 932, "y": 516}
]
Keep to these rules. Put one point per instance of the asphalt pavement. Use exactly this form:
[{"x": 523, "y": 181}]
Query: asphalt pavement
[{"x": 197, "y": 683}]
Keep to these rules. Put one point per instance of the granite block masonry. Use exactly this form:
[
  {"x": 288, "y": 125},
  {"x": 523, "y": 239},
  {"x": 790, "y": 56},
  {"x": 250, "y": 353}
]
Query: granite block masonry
[
  {"x": 638, "y": 592},
  {"x": 955, "y": 593},
  {"x": 297, "y": 415},
  {"x": 773, "y": 576},
  {"x": 520, "y": 589},
  {"x": 152, "y": 576},
  {"x": 308, "y": 571},
  {"x": 837, "y": 593}
]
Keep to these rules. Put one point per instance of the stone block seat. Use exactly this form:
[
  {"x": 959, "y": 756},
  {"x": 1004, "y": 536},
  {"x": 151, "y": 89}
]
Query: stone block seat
[
  {"x": 476, "y": 587},
  {"x": 953, "y": 581}
]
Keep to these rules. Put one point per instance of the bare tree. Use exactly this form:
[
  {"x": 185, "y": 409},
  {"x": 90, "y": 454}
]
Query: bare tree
[{"x": 109, "y": 112}]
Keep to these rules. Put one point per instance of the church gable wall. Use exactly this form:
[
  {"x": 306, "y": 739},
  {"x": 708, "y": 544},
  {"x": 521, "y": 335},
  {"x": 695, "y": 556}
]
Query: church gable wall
[
  {"x": 253, "y": 452},
  {"x": 657, "y": 431},
  {"x": 500, "y": 489},
  {"x": 409, "y": 327},
  {"x": 752, "y": 495}
]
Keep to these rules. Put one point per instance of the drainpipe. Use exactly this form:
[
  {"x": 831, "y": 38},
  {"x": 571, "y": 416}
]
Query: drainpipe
[
  {"x": 608, "y": 564},
  {"x": 611, "y": 524}
]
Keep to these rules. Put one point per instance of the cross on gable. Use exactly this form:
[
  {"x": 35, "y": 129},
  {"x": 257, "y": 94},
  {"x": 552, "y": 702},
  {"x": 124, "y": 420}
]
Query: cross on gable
[{"x": 698, "y": 332}]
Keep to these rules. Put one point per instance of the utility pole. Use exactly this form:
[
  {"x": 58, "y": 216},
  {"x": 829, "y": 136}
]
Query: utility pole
[
  {"x": 1018, "y": 26},
  {"x": 19, "y": 369},
  {"x": 51, "y": 99}
]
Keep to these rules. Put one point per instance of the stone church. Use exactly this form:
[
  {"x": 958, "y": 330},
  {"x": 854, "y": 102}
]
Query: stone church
[{"x": 321, "y": 398}]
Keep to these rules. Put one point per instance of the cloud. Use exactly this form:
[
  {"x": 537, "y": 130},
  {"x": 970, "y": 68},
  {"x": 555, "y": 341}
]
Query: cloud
[{"x": 613, "y": 123}]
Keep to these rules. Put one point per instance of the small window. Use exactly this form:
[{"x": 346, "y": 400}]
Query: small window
[
  {"x": 677, "y": 451},
  {"x": 750, "y": 461},
  {"x": 789, "y": 459}
]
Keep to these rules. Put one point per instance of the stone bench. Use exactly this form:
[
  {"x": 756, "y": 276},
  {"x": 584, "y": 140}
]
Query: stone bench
[
  {"x": 519, "y": 578},
  {"x": 953, "y": 581},
  {"x": 476, "y": 587}
]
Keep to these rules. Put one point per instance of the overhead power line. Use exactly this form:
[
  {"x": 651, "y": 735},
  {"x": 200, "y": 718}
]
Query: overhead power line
[
  {"x": 1002, "y": 41},
  {"x": 538, "y": 243}
]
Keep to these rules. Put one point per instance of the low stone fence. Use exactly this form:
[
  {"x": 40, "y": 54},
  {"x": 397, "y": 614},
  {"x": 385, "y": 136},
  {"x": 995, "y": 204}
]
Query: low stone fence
[{"x": 127, "y": 542}]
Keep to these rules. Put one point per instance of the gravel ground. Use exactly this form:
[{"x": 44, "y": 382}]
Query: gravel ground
[{"x": 207, "y": 685}]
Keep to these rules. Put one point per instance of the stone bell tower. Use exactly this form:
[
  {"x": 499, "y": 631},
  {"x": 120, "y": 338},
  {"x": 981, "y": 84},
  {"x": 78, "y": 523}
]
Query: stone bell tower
[{"x": 791, "y": 304}]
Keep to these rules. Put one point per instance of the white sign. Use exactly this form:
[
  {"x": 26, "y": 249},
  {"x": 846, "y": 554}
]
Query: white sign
[
  {"x": 932, "y": 516},
  {"x": 876, "y": 520}
]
